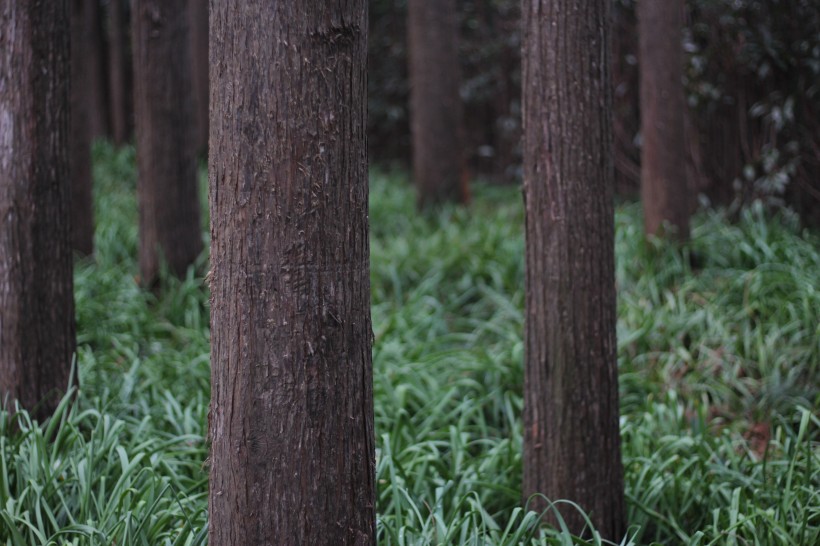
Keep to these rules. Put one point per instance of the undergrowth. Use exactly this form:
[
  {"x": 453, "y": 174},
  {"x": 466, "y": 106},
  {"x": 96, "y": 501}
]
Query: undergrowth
[{"x": 718, "y": 354}]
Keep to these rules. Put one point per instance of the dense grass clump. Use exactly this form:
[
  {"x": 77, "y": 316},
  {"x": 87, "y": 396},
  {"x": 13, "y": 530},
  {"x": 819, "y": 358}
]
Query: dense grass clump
[{"x": 719, "y": 350}]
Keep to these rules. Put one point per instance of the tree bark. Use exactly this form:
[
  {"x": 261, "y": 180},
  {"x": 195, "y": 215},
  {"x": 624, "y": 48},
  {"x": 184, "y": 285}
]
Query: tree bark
[
  {"x": 292, "y": 456},
  {"x": 169, "y": 212},
  {"x": 82, "y": 219},
  {"x": 36, "y": 301},
  {"x": 571, "y": 434},
  {"x": 435, "y": 102},
  {"x": 198, "y": 12},
  {"x": 121, "y": 84},
  {"x": 97, "y": 71},
  {"x": 665, "y": 193}
]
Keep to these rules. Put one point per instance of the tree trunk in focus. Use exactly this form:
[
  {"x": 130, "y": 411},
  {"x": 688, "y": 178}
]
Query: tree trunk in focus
[
  {"x": 37, "y": 338},
  {"x": 665, "y": 193},
  {"x": 170, "y": 229},
  {"x": 571, "y": 430},
  {"x": 291, "y": 426},
  {"x": 435, "y": 102}
]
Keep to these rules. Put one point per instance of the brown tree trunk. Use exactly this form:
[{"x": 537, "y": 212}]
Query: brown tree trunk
[
  {"x": 292, "y": 456},
  {"x": 170, "y": 229},
  {"x": 665, "y": 193},
  {"x": 36, "y": 300},
  {"x": 571, "y": 435},
  {"x": 82, "y": 220},
  {"x": 198, "y": 13},
  {"x": 120, "y": 72},
  {"x": 435, "y": 102},
  {"x": 96, "y": 70}
]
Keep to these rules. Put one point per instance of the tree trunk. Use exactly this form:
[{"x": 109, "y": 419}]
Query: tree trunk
[
  {"x": 82, "y": 220},
  {"x": 435, "y": 102},
  {"x": 571, "y": 435},
  {"x": 36, "y": 300},
  {"x": 170, "y": 229},
  {"x": 665, "y": 193},
  {"x": 97, "y": 70},
  {"x": 198, "y": 12},
  {"x": 120, "y": 72},
  {"x": 292, "y": 456}
]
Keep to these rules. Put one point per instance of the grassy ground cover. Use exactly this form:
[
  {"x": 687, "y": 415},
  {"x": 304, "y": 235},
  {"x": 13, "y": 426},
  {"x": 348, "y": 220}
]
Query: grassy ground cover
[{"x": 719, "y": 368}]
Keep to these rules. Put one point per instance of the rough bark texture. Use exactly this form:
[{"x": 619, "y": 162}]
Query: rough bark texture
[
  {"x": 120, "y": 72},
  {"x": 169, "y": 212},
  {"x": 36, "y": 300},
  {"x": 665, "y": 193},
  {"x": 293, "y": 456},
  {"x": 435, "y": 102},
  {"x": 82, "y": 219},
  {"x": 96, "y": 70},
  {"x": 198, "y": 17},
  {"x": 571, "y": 435}
]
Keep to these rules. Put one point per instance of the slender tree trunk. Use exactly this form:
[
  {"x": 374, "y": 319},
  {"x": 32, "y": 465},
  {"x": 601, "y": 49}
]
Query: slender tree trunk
[
  {"x": 435, "y": 102},
  {"x": 170, "y": 227},
  {"x": 292, "y": 456},
  {"x": 82, "y": 220},
  {"x": 120, "y": 71},
  {"x": 198, "y": 12},
  {"x": 36, "y": 300},
  {"x": 665, "y": 193},
  {"x": 571, "y": 436},
  {"x": 96, "y": 71}
]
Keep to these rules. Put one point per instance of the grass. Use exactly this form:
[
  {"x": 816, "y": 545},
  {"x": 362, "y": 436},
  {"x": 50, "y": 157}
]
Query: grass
[{"x": 718, "y": 366}]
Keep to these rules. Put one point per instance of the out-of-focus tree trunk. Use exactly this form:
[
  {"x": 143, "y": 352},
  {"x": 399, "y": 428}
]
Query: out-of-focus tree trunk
[
  {"x": 435, "y": 102},
  {"x": 198, "y": 10},
  {"x": 170, "y": 229},
  {"x": 120, "y": 71},
  {"x": 665, "y": 193},
  {"x": 82, "y": 215},
  {"x": 97, "y": 70}
]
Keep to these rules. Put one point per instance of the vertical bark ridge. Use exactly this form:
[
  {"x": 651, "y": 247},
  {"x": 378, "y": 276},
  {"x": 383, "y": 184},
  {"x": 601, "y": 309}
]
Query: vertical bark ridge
[
  {"x": 572, "y": 443},
  {"x": 37, "y": 337},
  {"x": 293, "y": 458}
]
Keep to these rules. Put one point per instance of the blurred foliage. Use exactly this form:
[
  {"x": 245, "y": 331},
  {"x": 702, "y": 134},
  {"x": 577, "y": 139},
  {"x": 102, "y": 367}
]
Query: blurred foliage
[
  {"x": 752, "y": 78},
  {"x": 756, "y": 64}
]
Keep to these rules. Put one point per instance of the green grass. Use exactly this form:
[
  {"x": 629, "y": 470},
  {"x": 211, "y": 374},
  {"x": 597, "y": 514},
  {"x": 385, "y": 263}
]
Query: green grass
[{"x": 713, "y": 361}]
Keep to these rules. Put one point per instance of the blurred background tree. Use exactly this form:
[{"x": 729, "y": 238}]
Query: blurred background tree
[{"x": 752, "y": 77}]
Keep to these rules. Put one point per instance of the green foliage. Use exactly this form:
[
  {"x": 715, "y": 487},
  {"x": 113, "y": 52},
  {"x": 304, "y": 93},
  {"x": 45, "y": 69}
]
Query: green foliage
[{"x": 715, "y": 358}]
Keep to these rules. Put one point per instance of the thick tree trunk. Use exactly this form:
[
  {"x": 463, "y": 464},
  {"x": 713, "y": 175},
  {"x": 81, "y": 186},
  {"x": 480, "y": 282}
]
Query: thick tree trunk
[
  {"x": 82, "y": 220},
  {"x": 292, "y": 456},
  {"x": 96, "y": 70},
  {"x": 435, "y": 102},
  {"x": 198, "y": 13},
  {"x": 36, "y": 300},
  {"x": 665, "y": 193},
  {"x": 170, "y": 229},
  {"x": 120, "y": 71},
  {"x": 571, "y": 435}
]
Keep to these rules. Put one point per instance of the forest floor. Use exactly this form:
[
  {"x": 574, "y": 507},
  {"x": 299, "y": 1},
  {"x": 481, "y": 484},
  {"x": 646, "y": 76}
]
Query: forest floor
[{"x": 719, "y": 381}]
